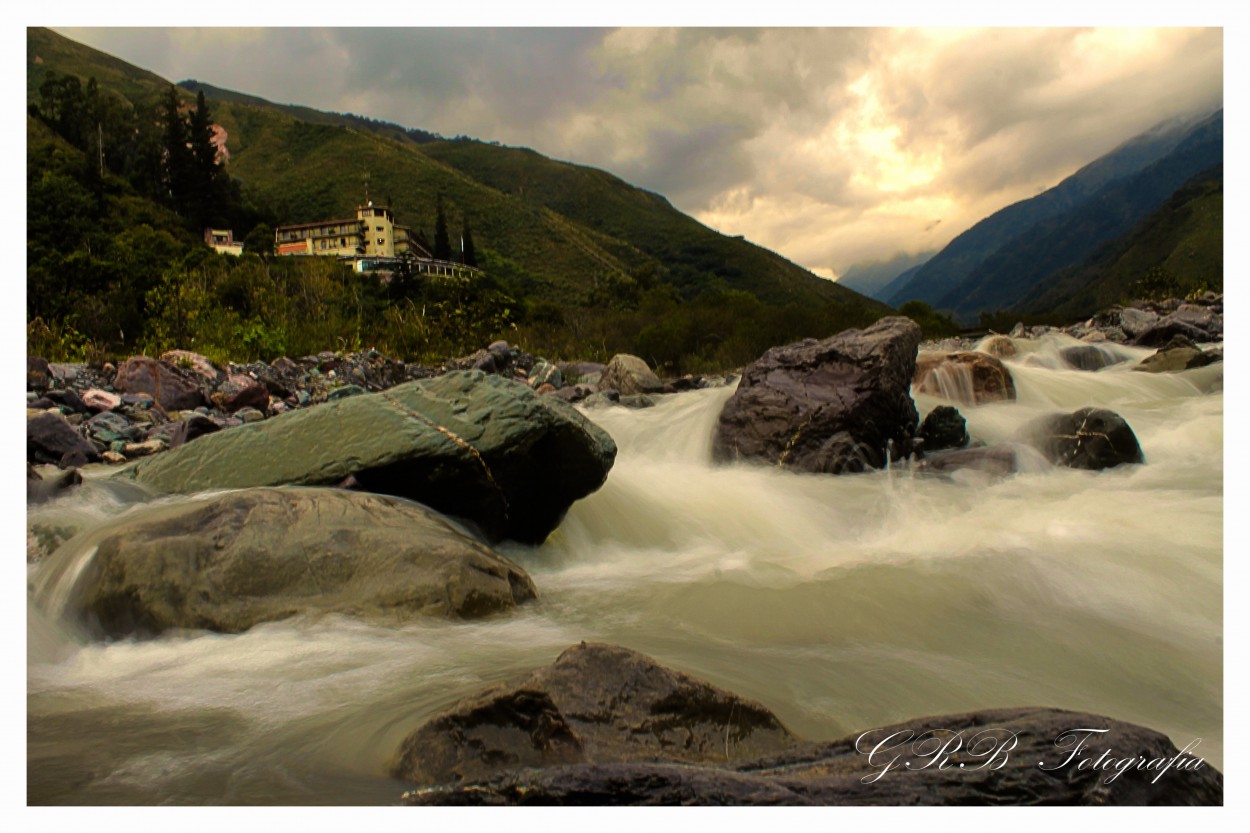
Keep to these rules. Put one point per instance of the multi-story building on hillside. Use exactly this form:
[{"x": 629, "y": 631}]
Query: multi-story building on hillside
[
  {"x": 372, "y": 234},
  {"x": 371, "y": 242}
]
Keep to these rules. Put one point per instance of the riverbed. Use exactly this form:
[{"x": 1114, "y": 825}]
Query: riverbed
[{"x": 840, "y": 603}]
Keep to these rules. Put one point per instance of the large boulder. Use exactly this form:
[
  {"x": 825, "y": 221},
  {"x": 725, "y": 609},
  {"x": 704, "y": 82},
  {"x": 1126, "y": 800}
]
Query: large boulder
[
  {"x": 231, "y": 560},
  {"x": 595, "y": 703},
  {"x": 51, "y": 439},
  {"x": 967, "y": 377},
  {"x": 1005, "y": 757},
  {"x": 629, "y": 375},
  {"x": 468, "y": 444},
  {"x": 173, "y": 388},
  {"x": 836, "y": 405},
  {"x": 1091, "y": 438}
]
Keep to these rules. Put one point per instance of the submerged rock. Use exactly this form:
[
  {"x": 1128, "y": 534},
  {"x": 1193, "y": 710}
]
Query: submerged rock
[
  {"x": 967, "y": 377},
  {"x": 832, "y": 406},
  {"x": 595, "y": 703},
  {"x": 1091, "y": 438},
  {"x": 465, "y": 443},
  {"x": 1089, "y": 357},
  {"x": 230, "y": 561}
]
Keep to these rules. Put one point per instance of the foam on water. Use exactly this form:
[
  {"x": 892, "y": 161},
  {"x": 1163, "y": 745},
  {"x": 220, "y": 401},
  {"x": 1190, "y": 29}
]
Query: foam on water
[{"x": 839, "y": 602}]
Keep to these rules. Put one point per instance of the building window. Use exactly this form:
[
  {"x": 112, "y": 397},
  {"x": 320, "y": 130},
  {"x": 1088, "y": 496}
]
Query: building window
[{"x": 381, "y": 241}]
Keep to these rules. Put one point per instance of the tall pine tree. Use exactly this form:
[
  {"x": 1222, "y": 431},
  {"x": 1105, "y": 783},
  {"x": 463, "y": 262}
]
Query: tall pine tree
[
  {"x": 179, "y": 164},
  {"x": 466, "y": 238},
  {"x": 442, "y": 241}
]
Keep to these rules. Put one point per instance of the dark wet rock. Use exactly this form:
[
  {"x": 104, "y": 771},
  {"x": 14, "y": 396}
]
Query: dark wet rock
[
  {"x": 184, "y": 430},
  {"x": 172, "y": 388},
  {"x": 50, "y": 439},
  {"x": 67, "y": 400},
  {"x": 967, "y": 377},
  {"x": 826, "y": 406},
  {"x": 1005, "y": 757},
  {"x": 943, "y": 428},
  {"x": 1091, "y": 438},
  {"x": 1089, "y": 357},
  {"x": 41, "y": 488},
  {"x": 629, "y": 375},
  {"x": 1178, "y": 354},
  {"x": 595, "y": 703},
  {"x": 38, "y": 377},
  {"x": 233, "y": 560},
  {"x": 472, "y": 445}
]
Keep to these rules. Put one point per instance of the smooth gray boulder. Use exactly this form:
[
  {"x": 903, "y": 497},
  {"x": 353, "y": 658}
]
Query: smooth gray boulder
[
  {"x": 836, "y": 405},
  {"x": 229, "y": 561},
  {"x": 468, "y": 444}
]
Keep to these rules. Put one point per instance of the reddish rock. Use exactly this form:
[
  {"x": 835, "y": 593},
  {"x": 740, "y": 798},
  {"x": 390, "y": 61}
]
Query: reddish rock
[
  {"x": 967, "y": 377},
  {"x": 240, "y": 391},
  {"x": 193, "y": 362},
  {"x": 101, "y": 400},
  {"x": 172, "y": 388}
]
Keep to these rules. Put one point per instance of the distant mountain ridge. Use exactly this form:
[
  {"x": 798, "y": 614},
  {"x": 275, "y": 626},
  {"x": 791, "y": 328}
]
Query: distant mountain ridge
[
  {"x": 970, "y": 274},
  {"x": 878, "y": 278},
  {"x": 1032, "y": 259}
]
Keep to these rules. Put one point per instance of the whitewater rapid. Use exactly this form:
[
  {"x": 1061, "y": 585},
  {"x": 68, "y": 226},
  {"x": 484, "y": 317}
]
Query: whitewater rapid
[{"x": 840, "y": 603}]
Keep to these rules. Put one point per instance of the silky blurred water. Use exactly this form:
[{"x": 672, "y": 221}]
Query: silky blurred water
[{"x": 839, "y": 602}]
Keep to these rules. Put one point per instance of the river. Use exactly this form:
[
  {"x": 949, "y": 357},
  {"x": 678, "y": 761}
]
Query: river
[{"x": 841, "y": 603}]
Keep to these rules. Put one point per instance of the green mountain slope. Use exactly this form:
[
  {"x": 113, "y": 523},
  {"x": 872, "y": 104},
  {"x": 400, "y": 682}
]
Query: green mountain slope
[
  {"x": 691, "y": 256},
  {"x": 578, "y": 263},
  {"x": 1177, "y": 249}
]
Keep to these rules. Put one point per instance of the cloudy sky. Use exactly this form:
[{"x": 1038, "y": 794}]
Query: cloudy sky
[{"x": 828, "y": 145}]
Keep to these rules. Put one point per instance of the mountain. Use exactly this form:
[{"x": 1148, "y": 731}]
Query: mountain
[
  {"x": 1176, "y": 250},
  {"x": 1020, "y": 268},
  {"x": 950, "y": 268},
  {"x": 878, "y": 278}
]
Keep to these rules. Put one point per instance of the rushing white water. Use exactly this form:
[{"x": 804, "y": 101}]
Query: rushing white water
[{"x": 839, "y": 602}]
